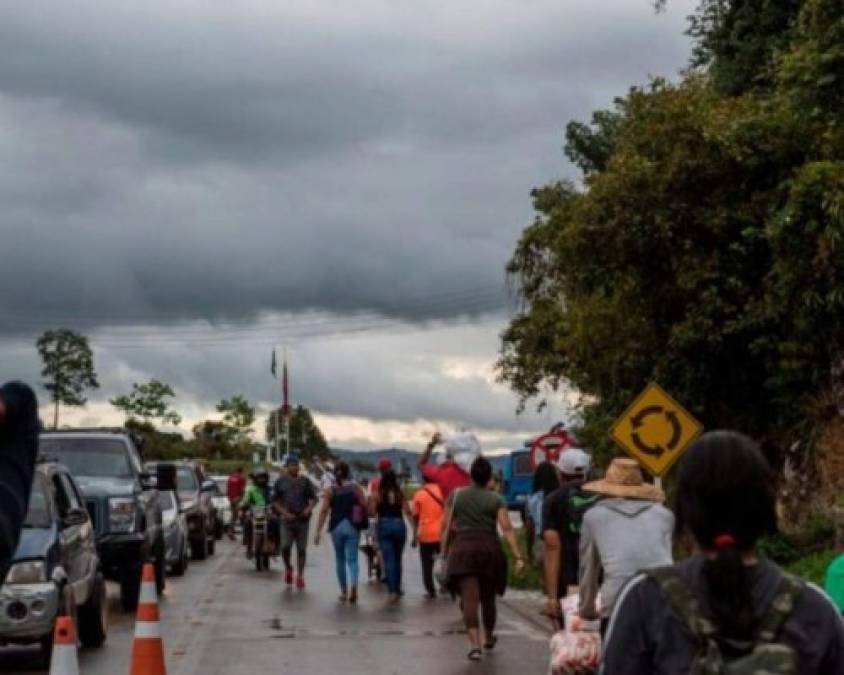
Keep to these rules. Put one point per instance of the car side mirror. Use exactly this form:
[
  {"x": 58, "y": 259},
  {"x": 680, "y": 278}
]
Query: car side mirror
[
  {"x": 209, "y": 486},
  {"x": 74, "y": 517},
  {"x": 165, "y": 475}
]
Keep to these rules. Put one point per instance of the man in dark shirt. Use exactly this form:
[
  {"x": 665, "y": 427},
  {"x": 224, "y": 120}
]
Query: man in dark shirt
[
  {"x": 18, "y": 448},
  {"x": 562, "y": 514},
  {"x": 295, "y": 498}
]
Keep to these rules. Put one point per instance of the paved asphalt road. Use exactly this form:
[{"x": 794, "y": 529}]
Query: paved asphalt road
[{"x": 224, "y": 618}]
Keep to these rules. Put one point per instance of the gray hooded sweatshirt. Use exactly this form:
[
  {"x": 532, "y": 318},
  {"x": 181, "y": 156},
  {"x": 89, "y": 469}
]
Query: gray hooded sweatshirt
[{"x": 620, "y": 537}]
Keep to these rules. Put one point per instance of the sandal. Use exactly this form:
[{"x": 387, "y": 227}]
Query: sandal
[
  {"x": 489, "y": 645},
  {"x": 475, "y": 654}
]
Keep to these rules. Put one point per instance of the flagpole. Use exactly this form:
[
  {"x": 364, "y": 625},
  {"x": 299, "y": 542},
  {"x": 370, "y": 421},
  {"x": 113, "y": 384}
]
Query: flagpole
[
  {"x": 275, "y": 418},
  {"x": 277, "y": 440},
  {"x": 286, "y": 403}
]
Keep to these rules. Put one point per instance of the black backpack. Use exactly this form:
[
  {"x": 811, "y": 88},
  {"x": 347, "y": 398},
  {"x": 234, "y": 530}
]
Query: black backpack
[
  {"x": 762, "y": 656},
  {"x": 578, "y": 503}
]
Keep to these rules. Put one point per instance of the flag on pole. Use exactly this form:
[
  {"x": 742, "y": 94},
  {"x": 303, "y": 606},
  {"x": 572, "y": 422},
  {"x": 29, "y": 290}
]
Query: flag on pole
[
  {"x": 273, "y": 368},
  {"x": 285, "y": 391}
]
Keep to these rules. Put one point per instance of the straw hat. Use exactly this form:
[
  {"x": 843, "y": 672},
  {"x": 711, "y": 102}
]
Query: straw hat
[{"x": 624, "y": 479}]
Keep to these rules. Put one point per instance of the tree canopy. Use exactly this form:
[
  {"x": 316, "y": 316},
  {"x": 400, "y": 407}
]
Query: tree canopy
[
  {"x": 238, "y": 417},
  {"x": 68, "y": 368},
  {"x": 305, "y": 436},
  {"x": 703, "y": 249},
  {"x": 149, "y": 401}
]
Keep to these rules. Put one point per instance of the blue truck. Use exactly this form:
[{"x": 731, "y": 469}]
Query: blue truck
[{"x": 518, "y": 479}]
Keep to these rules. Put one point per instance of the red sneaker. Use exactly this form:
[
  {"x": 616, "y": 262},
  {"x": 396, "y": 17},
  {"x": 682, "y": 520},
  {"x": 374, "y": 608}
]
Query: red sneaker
[
  {"x": 288, "y": 577},
  {"x": 300, "y": 582}
]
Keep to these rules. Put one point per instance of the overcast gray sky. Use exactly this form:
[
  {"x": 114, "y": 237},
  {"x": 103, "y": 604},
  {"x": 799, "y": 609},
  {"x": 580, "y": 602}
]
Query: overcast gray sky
[{"x": 194, "y": 182}]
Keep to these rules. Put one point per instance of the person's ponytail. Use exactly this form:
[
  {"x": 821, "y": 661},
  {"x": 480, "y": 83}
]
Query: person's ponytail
[
  {"x": 725, "y": 498},
  {"x": 728, "y": 590}
]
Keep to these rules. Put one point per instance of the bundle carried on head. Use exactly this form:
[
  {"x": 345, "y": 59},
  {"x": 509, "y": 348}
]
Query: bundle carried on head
[{"x": 462, "y": 448}]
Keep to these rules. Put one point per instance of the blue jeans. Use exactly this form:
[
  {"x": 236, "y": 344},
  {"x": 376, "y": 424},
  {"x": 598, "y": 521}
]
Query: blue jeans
[
  {"x": 346, "y": 538},
  {"x": 392, "y": 536}
]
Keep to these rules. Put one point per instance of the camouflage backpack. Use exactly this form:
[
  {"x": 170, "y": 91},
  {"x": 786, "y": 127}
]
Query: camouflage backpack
[{"x": 717, "y": 655}]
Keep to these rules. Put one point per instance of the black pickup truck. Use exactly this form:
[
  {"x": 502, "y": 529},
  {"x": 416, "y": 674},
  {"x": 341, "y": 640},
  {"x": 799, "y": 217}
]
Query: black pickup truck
[{"x": 121, "y": 499}]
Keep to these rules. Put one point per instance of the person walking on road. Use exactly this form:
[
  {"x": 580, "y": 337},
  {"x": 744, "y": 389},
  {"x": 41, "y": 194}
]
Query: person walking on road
[
  {"x": 427, "y": 508},
  {"x": 449, "y": 475},
  {"x": 725, "y": 609},
  {"x": 477, "y": 566},
  {"x": 390, "y": 506},
  {"x": 341, "y": 503},
  {"x": 546, "y": 479},
  {"x": 18, "y": 449},
  {"x": 235, "y": 487},
  {"x": 295, "y": 498},
  {"x": 561, "y": 523},
  {"x": 626, "y": 532}
]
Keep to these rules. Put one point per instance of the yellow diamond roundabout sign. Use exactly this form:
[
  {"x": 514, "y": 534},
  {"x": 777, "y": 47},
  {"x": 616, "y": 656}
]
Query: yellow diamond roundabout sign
[{"x": 656, "y": 430}]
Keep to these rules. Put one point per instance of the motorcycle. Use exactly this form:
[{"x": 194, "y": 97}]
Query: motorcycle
[{"x": 263, "y": 546}]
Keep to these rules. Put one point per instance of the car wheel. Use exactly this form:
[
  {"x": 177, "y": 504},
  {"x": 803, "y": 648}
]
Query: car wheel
[
  {"x": 160, "y": 573},
  {"x": 219, "y": 529},
  {"x": 180, "y": 566},
  {"x": 93, "y": 616},
  {"x": 212, "y": 545},
  {"x": 67, "y": 607},
  {"x": 199, "y": 547},
  {"x": 130, "y": 587}
]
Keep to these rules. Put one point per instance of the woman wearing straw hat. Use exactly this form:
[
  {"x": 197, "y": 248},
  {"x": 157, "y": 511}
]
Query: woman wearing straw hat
[{"x": 627, "y": 531}]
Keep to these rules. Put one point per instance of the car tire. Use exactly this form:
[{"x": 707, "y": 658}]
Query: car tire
[
  {"x": 181, "y": 565},
  {"x": 46, "y": 645},
  {"x": 212, "y": 546},
  {"x": 199, "y": 547},
  {"x": 219, "y": 529},
  {"x": 93, "y": 616},
  {"x": 160, "y": 573},
  {"x": 130, "y": 588},
  {"x": 66, "y": 608}
]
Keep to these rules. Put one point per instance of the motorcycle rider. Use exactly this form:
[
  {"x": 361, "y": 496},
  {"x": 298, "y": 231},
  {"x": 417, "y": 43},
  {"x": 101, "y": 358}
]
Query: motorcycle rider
[{"x": 258, "y": 494}]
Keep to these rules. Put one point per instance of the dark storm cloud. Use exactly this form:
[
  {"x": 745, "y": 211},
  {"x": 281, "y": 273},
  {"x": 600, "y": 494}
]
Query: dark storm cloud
[{"x": 165, "y": 161}]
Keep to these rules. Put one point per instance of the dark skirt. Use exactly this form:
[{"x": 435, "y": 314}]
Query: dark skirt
[{"x": 476, "y": 553}]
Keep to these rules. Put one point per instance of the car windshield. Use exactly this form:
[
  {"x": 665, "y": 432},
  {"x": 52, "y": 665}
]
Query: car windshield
[
  {"x": 521, "y": 465},
  {"x": 38, "y": 514},
  {"x": 186, "y": 479},
  {"x": 89, "y": 457},
  {"x": 166, "y": 501}
]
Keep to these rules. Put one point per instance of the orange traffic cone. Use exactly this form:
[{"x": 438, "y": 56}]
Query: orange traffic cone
[
  {"x": 147, "y": 649},
  {"x": 64, "y": 660}
]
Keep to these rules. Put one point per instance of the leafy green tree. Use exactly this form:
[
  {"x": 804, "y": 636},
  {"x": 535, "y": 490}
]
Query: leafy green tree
[
  {"x": 149, "y": 401},
  {"x": 238, "y": 417},
  {"x": 68, "y": 368},
  {"x": 740, "y": 40},
  {"x": 305, "y": 435},
  {"x": 218, "y": 440},
  {"x": 704, "y": 253}
]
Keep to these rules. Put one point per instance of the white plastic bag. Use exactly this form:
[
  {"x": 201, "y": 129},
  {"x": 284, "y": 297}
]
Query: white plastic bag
[
  {"x": 577, "y": 649},
  {"x": 464, "y": 448}
]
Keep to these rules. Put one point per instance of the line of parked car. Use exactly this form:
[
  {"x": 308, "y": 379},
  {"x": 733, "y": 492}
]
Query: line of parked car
[{"x": 98, "y": 513}]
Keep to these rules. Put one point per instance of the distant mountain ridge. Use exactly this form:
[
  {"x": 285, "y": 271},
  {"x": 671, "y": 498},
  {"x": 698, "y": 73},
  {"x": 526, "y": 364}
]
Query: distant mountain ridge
[{"x": 396, "y": 456}]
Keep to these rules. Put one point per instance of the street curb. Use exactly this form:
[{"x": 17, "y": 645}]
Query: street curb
[{"x": 533, "y": 618}]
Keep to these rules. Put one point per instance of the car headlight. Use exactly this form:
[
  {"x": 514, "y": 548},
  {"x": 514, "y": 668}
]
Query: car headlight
[
  {"x": 121, "y": 516},
  {"x": 168, "y": 519},
  {"x": 27, "y": 572},
  {"x": 189, "y": 504}
]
